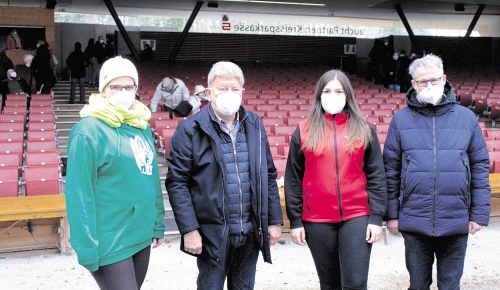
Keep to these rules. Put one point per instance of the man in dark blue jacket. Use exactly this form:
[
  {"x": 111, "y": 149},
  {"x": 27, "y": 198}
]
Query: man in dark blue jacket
[
  {"x": 437, "y": 168},
  {"x": 222, "y": 185}
]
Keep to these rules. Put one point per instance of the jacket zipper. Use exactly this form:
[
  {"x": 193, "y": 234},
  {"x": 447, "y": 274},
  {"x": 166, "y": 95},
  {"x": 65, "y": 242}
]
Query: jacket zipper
[
  {"x": 223, "y": 187},
  {"x": 239, "y": 186},
  {"x": 435, "y": 172},
  {"x": 259, "y": 189},
  {"x": 307, "y": 198},
  {"x": 337, "y": 167}
]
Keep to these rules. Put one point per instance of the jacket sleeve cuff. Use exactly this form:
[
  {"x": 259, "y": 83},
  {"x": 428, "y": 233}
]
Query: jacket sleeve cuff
[
  {"x": 159, "y": 234},
  {"x": 296, "y": 223},
  {"x": 375, "y": 220}
]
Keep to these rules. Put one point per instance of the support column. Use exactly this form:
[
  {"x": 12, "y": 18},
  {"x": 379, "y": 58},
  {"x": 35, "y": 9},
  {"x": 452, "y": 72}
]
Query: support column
[
  {"x": 460, "y": 48},
  {"x": 123, "y": 32},
  {"x": 184, "y": 33},
  {"x": 413, "y": 39}
]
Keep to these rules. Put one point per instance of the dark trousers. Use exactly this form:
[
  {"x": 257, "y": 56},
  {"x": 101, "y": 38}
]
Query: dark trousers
[
  {"x": 128, "y": 274},
  {"x": 239, "y": 265},
  {"x": 340, "y": 253},
  {"x": 450, "y": 257},
  {"x": 81, "y": 83}
]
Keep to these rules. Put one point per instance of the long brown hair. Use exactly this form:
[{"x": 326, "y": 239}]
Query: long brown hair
[{"x": 317, "y": 133}]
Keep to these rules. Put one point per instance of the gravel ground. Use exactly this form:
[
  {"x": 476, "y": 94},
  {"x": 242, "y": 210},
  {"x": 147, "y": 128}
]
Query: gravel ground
[{"x": 292, "y": 267}]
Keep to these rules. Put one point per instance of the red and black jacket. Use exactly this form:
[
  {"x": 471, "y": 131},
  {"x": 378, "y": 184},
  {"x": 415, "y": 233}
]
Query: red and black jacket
[{"x": 335, "y": 185}]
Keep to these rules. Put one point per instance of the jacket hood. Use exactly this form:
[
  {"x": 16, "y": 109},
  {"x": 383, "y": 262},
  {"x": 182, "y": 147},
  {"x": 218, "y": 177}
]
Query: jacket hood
[
  {"x": 449, "y": 99},
  {"x": 198, "y": 89}
]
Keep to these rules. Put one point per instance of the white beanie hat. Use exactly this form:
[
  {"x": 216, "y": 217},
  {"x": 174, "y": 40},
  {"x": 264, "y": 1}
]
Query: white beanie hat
[
  {"x": 198, "y": 89},
  {"x": 114, "y": 68}
]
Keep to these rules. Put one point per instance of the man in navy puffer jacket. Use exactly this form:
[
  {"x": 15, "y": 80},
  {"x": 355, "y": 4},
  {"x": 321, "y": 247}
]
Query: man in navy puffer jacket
[{"x": 437, "y": 170}]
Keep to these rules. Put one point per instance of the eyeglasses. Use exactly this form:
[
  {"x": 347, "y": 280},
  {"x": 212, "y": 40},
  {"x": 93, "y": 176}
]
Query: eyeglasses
[
  {"x": 433, "y": 82},
  {"x": 119, "y": 88}
]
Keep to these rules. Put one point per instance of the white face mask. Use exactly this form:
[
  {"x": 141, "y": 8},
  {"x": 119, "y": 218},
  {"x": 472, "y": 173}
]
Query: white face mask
[
  {"x": 101, "y": 41},
  {"x": 28, "y": 64},
  {"x": 430, "y": 95},
  {"x": 228, "y": 103},
  {"x": 333, "y": 104},
  {"x": 122, "y": 99},
  {"x": 13, "y": 75}
]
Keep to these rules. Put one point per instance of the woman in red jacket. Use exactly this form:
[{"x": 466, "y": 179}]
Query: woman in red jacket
[{"x": 335, "y": 185}]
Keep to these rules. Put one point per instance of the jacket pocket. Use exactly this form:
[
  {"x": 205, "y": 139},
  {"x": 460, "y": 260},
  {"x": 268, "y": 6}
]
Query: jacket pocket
[
  {"x": 404, "y": 175},
  {"x": 466, "y": 195},
  {"x": 141, "y": 225}
]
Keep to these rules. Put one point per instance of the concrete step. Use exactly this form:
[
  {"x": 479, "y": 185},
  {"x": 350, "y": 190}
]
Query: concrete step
[
  {"x": 68, "y": 118},
  {"x": 66, "y": 106},
  {"x": 62, "y": 140},
  {"x": 64, "y": 125},
  {"x": 68, "y": 112}
]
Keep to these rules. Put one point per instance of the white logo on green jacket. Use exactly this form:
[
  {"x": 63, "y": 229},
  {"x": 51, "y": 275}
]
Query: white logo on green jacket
[{"x": 143, "y": 155}]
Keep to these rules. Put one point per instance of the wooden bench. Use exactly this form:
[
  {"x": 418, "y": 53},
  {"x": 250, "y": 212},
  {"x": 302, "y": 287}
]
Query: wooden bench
[
  {"x": 495, "y": 194},
  {"x": 41, "y": 211}
]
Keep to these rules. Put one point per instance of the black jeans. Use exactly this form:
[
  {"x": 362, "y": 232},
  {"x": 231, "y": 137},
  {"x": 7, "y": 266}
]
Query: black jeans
[
  {"x": 238, "y": 264},
  {"x": 128, "y": 274},
  {"x": 81, "y": 83},
  {"x": 340, "y": 253},
  {"x": 450, "y": 256}
]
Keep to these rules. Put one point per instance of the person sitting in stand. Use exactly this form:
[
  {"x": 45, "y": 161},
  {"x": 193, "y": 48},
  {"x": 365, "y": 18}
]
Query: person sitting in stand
[
  {"x": 13, "y": 85},
  {"x": 198, "y": 100},
  {"x": 172, "y": 91}
]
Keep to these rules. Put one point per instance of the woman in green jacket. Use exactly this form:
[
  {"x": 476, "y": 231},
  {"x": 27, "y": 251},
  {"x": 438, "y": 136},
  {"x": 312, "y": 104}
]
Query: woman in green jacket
[{"x": 113, "y": 193}]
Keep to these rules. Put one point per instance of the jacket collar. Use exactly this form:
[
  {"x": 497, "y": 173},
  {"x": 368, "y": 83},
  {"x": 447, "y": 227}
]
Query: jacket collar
[
  {"x": 339, "y": 118},
  {"x": 449, "y": 98}
]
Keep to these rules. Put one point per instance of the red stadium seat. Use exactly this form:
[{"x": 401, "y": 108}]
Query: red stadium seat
[
  {"x": 41, "y": 136},
  {"x": 10, "y": 127},
  {"x": 12, "y": 136},
  {"x": 42, "y": 159},
  {"x": 9, "y": 182},
  {"x": 41, "y": 147},
  {"x": 42, "y": 180}
]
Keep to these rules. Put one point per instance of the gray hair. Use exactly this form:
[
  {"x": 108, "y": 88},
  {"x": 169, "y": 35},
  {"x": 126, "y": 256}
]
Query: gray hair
[
  {"x": 225, "y": 69},
  {"x": 426, "y": 61},
  {"x": 28, "y": 57}
]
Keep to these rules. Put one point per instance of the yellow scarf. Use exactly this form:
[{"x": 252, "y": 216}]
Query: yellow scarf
[{"x": 100, "y": 108}]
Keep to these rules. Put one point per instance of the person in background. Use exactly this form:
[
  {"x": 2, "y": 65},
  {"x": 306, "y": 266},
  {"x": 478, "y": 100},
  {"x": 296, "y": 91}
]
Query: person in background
[
  {"x": 77, "y": 61},
  {"x": 172, "y": 91},
  {"x": 147, "y": 53},
  {"x": 222, "y": 186},
  {"x": 13, "y": 40},
  {"x": 42, "y": 71},
  {"x": 13, "y": 85},
  {"x": 110, "y": 48},
  {"x": 199, "y": 99},
  {"x": 405, "y": 77},
  {"x": 394, "y": 73},
  {"x": 28, "y": 72},
  {"x": 335, "y": 185},
  {"x": 413, "y": 56},
  {"x": 377, "y": 59},
  {"x": 101, "y": 50},
  {"x": 5, "y": 63},
  {"x": 114, "y": 199},
  {"x": 92, "y": 64},
  {"x": 437, "y": 168}
]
